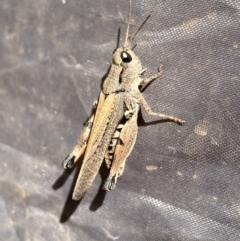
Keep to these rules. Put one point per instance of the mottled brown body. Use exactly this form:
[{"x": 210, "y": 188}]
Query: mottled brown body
[
  {"x": 102, "y": 133},
  {"x": 111, "y": 131}
]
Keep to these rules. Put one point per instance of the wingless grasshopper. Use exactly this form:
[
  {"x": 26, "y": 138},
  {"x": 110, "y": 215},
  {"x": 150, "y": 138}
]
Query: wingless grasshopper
[{"x": 110, "y": 133}]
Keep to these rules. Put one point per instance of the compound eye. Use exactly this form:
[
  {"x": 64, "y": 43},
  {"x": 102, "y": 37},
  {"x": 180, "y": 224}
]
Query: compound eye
[{"x": 126, "y": 57}]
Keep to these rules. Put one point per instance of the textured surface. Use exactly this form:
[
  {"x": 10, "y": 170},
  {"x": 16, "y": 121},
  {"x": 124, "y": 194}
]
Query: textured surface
[{"x": 180, "y": 183}]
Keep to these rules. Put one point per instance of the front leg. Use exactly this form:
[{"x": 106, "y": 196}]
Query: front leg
[
  {"x": 148, "y": 110},
  {"x": 152, "y": 77}
]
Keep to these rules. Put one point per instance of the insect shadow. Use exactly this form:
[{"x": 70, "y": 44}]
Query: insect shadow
[{"x": 70, "y": 205}]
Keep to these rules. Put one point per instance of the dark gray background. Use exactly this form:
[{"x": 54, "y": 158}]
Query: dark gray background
[{"x": 180, "y": 183}]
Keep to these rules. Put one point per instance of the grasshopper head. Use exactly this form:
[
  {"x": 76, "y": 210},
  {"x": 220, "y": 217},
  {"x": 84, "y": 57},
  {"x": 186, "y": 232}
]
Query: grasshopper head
[{"x": 126, "y": 58}]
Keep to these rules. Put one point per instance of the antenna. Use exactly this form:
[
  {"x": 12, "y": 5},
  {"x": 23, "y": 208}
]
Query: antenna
[
  {"x": 134, "y": 35},
  {"x": 118, "y": 37},
  {"x": 129, "y": 14}
]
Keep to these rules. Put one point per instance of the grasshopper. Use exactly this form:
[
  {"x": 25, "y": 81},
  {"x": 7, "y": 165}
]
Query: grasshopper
[{"x": 111, "y": 131}]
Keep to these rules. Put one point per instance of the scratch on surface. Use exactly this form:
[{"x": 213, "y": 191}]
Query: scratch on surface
[
  {"x": 179, "y": 173},
  {"x": 151, "y": 168},
  {"x": 73, "y": 66},
  {"x": 195, "y": 176},
  {"x": 172, "y": 149},
  {"x": 202, "y": 128},
  {"x": 110, "y": 235},
  {"x": 213, "y": 141}
]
